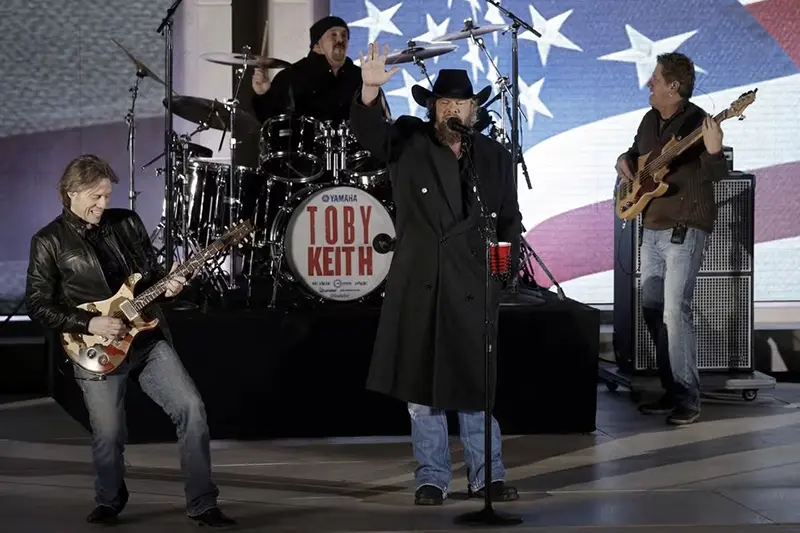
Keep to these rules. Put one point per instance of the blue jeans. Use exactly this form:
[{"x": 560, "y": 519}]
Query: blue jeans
[
  {"x": 669, "y": 272},
  {"x": 164, "y": 379},
  {"x": 432, "y": 451}
]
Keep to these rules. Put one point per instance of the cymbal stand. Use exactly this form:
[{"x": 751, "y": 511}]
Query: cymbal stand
[
  {"x": 420, "y": 63},
  {"x": 131, "y": 121},
  {"x": 232, "y": 105}
]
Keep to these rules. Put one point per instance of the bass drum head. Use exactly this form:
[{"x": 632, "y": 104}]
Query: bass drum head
[{"x": 328, "y": 242}]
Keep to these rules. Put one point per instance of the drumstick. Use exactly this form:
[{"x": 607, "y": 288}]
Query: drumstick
[{"x": 264, "y": 39}]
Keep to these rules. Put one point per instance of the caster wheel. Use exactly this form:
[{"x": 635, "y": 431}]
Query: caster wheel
[
  {"x": 749, "y": 394},
  {"x": 610, "y": 385}
]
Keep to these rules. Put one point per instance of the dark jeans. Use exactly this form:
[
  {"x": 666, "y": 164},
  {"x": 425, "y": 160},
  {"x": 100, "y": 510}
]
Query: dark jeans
[{"x": 164, "y": 379}]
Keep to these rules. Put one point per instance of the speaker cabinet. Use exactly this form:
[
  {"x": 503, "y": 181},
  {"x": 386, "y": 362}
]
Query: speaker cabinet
[{"x": 723, "y": 295}]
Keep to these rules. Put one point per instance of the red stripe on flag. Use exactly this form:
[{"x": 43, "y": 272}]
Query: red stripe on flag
[
  {"x": 781, "y": 18},
  {"x": 581, "y": 242}
]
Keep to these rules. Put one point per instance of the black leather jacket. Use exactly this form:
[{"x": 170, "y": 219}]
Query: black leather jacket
[{"x": 64, "y": 271}]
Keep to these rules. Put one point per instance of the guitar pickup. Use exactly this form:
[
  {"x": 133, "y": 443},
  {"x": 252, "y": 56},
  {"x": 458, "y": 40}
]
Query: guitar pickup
[{"x": 130, "y": 311}]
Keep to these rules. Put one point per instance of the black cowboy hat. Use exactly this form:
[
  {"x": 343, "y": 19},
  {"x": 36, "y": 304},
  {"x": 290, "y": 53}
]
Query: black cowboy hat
[{"x": 451, "y": 83}]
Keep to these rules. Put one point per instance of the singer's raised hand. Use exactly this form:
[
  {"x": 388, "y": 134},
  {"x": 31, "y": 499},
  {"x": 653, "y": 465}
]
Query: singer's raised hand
[
  {"x": 373, "y": 67},
  {"x": 373, "y": 72}
]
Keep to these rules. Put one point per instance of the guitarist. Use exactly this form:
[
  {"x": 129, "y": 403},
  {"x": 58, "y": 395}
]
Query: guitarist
[
  {"x": 676, "y": 228},
  {"x": 85, "y": 255}
]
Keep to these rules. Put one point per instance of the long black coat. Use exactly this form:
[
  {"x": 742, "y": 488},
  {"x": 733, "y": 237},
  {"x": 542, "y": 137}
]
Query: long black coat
[{"x": 430, "y": 342}]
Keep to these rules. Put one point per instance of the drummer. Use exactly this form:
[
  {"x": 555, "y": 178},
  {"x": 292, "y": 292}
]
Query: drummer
[{"x": 321, "y": 85}]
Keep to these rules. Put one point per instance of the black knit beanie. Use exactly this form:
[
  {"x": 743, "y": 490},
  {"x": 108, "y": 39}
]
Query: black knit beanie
[{"x": 324, "y": 24}]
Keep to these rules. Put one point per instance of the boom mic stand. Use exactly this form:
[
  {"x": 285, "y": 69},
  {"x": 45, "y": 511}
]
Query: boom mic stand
[
  {"x": 515, "y": 25},
  {"x": 130, "y": 119},
  {"x": 165, "y": 28},
  {"x": 487, "y": 515}
]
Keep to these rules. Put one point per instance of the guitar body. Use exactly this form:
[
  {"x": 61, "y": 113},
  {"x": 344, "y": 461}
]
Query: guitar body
[
  {"x": 633, "y": 196},
  {"x": 98, "y": 355}
]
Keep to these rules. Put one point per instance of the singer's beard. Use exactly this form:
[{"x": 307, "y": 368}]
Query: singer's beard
[{"x": 445, "y": 135}]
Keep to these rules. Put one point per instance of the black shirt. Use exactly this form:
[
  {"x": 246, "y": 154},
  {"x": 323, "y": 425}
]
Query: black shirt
[
  {"x": 310, "y": 88},
  {"x": 113, "y": 269}
]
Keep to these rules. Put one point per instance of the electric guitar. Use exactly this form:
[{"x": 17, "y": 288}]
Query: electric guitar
[
  {"x": 99, "y": 355},
  {"x": 632, "y": 196}
]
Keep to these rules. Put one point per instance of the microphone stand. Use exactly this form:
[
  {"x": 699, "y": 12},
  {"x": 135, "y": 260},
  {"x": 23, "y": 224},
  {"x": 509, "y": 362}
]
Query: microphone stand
[
  {"x": 515, "y": 25},
  {"x": 487, "y": 515},
  {"x": 165, "y": 29}
]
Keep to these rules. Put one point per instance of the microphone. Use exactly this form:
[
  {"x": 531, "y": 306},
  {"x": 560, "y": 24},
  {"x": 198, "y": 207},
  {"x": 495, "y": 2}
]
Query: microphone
[
  {"x": 383, "y": 244},
  {"x": 459, "y": 127}
]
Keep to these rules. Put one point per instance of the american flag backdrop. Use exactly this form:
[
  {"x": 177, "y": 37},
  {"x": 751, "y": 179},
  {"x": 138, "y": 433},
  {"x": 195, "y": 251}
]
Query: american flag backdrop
[{"x": 582, "y": 95}]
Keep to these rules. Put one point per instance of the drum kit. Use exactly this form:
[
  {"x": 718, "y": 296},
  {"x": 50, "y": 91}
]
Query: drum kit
[{"x": 318, "y": 200}]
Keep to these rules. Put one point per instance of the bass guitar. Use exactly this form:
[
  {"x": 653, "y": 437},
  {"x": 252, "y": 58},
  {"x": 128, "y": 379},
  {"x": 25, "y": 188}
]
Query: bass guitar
[
  {"x": 632, "y": 196},
  {"x": 99, "y": 355}
]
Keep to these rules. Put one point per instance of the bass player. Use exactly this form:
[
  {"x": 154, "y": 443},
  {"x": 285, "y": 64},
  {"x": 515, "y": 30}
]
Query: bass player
[{"x": 676, "y": 228}]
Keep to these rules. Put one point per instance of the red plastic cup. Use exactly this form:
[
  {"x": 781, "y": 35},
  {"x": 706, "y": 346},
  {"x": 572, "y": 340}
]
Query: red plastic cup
[{"x": 500, "y": 258}]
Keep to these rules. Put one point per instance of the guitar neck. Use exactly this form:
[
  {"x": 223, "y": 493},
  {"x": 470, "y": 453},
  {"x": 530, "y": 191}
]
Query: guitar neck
[
  {"x": 684, "y": 144},
  {"x": 159, "y": 288}
]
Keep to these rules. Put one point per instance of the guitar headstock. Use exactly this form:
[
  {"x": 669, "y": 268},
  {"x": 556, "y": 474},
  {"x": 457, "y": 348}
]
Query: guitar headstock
[
  {"x": 237, "y": 233},
  {"x": 737, "y": 108}
]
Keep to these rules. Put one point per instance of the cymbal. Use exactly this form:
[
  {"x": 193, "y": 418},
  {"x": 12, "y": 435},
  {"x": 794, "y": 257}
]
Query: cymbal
[
  {"x": 194, "y": 150},
  {"x": 248, "y": 60},
  {"x": 469, "y": 31},
  {"x": 211, "y": 112},
  {"x": 141, "y": 68},
  {"x": 419, "y": 53}
]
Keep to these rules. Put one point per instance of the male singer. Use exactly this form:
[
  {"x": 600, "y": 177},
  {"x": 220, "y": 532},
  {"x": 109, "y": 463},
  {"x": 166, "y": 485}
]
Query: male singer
[{"x": 429, "y": 350}]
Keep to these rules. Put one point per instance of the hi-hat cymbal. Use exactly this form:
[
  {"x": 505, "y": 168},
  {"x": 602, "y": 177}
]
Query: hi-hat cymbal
[
  {"x": 468, "y": 31},
  {"x": 421, "y": 53},
  {"x": 141, "y": 68},
  {"x": 247, "y": 60},
  {"x": 212, "y": 113}
]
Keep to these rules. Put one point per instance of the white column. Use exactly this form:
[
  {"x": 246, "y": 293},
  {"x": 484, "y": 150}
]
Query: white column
[{"x": 203, "y": 26}]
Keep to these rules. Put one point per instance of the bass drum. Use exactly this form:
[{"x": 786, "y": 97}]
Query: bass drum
[{"x": 323, "y": 240}]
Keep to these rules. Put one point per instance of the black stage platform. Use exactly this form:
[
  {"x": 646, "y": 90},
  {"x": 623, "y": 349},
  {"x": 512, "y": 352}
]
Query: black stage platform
[{"x": 272, "y": 374}]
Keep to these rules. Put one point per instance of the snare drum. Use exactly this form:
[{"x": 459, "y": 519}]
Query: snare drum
[
  {"x": 323, "y": 239},
  {"x": 289, "y": 149}
]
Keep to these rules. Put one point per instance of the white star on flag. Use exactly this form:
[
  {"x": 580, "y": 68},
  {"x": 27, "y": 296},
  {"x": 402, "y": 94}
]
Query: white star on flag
[
  {"x": 493, "y": 16},
  {"x": 405, "y": 91},
  {"x": 644, "y": 52},
  {"x": 378, "y": 21},
  {"x": 473, "y": 57},
  {"x": 434, "y": 31},
  {"x": 474, "y": 6},
  {"x": 529, "y": 97},
  {"x": 551, "y": 33}
]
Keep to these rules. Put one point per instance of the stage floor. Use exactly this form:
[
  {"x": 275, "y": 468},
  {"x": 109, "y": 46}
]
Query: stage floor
[{"x": 736, "y": 471}]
